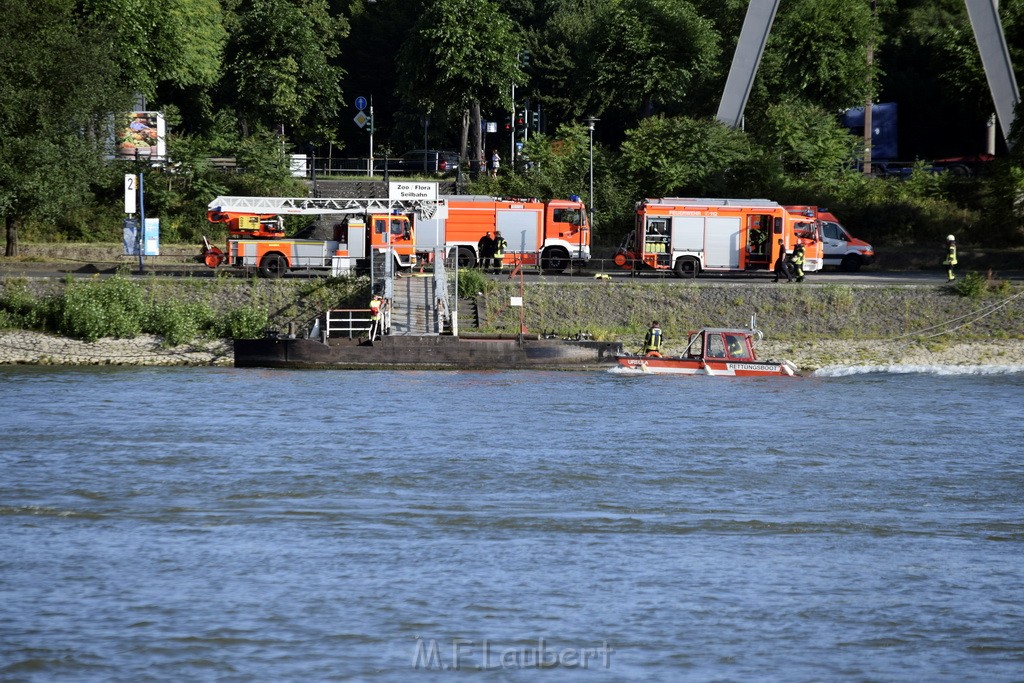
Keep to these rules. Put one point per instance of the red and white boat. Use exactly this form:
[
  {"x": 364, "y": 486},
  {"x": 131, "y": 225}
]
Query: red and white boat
[{"x": 719, "y": 351}]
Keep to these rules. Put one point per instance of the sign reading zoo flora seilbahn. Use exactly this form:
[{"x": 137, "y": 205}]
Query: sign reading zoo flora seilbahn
[{"x": 412, "y": 190}]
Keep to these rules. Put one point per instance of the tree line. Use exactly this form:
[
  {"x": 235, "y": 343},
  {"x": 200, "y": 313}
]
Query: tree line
[{"x": 252, "y": 79}]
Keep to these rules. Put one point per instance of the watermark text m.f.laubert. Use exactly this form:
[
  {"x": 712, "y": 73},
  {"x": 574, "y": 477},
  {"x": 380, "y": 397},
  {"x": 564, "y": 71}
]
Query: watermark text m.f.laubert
[{"x": 462, "y": 654}]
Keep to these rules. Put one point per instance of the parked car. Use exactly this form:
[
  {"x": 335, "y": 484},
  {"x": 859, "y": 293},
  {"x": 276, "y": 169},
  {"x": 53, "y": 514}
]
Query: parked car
[{"x": 430, "y": 161}]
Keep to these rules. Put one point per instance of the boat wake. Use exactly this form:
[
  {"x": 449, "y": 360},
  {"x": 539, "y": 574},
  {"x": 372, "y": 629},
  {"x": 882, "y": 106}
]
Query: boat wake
[{"x": 847, "y": 370}]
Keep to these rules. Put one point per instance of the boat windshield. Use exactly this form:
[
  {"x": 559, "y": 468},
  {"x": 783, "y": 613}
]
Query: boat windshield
[
  {"x": 716, "y": 348},
  {"x": 736, "y": 345}
]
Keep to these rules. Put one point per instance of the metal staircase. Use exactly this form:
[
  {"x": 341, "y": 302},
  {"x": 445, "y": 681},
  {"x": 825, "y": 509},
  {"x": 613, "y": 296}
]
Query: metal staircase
[{"x": 420, "y": 303}]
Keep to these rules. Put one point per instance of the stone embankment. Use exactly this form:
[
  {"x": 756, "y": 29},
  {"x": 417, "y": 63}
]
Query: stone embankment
[{"x": 36, "y": 348}]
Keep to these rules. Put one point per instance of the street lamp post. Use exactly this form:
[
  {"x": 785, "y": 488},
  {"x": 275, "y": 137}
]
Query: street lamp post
[{"x": 590, "y": 200}]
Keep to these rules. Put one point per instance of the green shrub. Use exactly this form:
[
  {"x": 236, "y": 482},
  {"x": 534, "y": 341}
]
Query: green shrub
[
  {"x": 971, "y": 286},
  {"x": 178, "y": 322},
  {"x": 102, "y": 308},
  {"x": 246, "y": 322},
  {"x": 18, "y": 307},
  {"x": 471, "y": 282}
]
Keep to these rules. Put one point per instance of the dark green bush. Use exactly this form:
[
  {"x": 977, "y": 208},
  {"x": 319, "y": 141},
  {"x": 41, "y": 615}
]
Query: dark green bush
[
  {"x": 246, "y": 322},
  {"x": 471, "y": 282},
  {"x": 102, "y": 308},
  {"x": 178, "y": 322},
  {"x": 18, "y": 307},
  {"x": 971, "y": 286}
]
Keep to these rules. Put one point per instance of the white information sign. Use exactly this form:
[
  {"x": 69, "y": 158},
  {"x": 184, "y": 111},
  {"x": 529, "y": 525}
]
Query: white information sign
[
  {"x": 410, "y": 189},
  {"x": 131, "y": 189},
  {"x": 516, "y": 301}
]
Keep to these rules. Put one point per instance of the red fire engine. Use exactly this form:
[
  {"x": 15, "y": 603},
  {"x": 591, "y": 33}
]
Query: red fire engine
[
  {"x": 365, "y": 226},
  {"x": 549, "y": 234},
  {"x": 689, "y": 236}
]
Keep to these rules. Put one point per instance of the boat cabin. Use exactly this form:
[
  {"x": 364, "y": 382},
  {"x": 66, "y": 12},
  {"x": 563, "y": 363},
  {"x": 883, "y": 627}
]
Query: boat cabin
[{"x": 720, "y": 343}]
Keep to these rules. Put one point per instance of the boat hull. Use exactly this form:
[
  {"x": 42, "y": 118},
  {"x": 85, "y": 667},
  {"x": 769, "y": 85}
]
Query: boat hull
[{"x": 677, "y": 365}]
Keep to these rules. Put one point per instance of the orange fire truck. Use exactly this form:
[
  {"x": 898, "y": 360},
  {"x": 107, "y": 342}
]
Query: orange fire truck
[
  {"x": 689, "y": 236},
  {"x": 549, "y": 234},
  {"x": 364, "y": 226}
]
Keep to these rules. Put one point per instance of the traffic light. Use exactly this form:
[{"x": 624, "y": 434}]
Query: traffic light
[
  {"x": 520, "y": 119},
  {"x": 509, "y": 123},
  {"x": 535, "y": 120}
]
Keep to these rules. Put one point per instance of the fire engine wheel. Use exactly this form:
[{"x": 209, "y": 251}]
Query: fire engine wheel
[
  {"x": 850, "y": 263},
  {"x": 466, "y": 258},
  {"x": 687, "y": 266},
  {"x": 554, "y": 260},
  {"x": 273, "y": 266}
]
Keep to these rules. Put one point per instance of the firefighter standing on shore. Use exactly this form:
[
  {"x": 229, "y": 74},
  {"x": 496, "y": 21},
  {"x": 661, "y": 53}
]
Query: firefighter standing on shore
[
  {"x": 376, "y": 315},
  {"x": 485, "y": 250},
  {"x": 797, "y": 259},
  {"x": 950, "y": 261},
  {"x": 782, "y": 265},
  {"x": 499, "y": 250}
]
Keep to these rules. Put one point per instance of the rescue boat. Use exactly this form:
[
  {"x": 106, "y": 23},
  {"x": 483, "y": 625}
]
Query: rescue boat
[{"x": 718, "y": 351}]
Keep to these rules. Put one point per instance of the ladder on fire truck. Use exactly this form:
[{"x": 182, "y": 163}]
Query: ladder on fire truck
[
  {"x": 294, "y": 206},
  {"x": 417, "y": 306}
]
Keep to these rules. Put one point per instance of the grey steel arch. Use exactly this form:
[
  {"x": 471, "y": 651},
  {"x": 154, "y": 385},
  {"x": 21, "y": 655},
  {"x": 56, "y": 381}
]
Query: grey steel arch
[
  {"x": 988, "y": 34},
  {"x": 753, "y": 36},
  {"x": 995, "y": 57}
]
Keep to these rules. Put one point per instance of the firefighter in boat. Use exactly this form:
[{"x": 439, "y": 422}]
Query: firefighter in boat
[{"x": 653, "y": 340}]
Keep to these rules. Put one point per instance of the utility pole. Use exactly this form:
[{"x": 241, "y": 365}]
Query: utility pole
[{"x": 868, "y": 124}]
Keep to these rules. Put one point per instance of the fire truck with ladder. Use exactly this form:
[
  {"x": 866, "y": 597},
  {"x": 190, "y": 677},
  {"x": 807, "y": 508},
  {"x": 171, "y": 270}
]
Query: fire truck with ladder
[
  {"x": 364, "y": 229},
  {"x": 690, "y": 236},
  {"x": 547, "y": 234}
]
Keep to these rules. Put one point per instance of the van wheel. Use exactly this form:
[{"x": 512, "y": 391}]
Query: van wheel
[
  {"x": 851, "y": 263},
  {"x": 554, "y": 260},
  {"x": 687, "y": 266},
  {"x": 273, "y": 266}
]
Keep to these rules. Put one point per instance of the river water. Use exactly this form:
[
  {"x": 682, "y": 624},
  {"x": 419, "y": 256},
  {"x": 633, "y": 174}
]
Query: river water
[{"x": 225, "y": 524}]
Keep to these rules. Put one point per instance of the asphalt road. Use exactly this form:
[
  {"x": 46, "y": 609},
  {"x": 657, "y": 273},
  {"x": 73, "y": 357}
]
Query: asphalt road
[{"x": 867, "y": 276}]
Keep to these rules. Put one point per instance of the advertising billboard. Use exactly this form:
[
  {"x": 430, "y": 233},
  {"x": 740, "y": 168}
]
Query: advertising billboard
[{"x": 142, "y": 135}]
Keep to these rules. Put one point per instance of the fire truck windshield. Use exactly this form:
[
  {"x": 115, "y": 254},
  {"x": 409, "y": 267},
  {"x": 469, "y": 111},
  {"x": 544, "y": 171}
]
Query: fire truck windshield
[{"x": 571, "y": 216}]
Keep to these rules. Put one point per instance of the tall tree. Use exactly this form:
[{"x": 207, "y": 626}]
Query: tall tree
[
  {"x": 817, "y": 51},
  {"x": 59, "y": 88},
  {"x": 622, "y": 60},
  {"x": 678, "y": 156},
  {"x": 280, "y": 67},
  {"x": 460, "y": 52},
  {"x": 176, "y": 42}
]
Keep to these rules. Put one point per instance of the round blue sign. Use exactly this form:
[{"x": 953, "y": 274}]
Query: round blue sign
[{"x": 360, "y": 103}]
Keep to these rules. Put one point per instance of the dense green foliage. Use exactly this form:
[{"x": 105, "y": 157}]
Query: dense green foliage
[
  {"x": 178, "y": 311},
  {"x": 120, "y": 308},
  {"x": 259, "y": 79}
]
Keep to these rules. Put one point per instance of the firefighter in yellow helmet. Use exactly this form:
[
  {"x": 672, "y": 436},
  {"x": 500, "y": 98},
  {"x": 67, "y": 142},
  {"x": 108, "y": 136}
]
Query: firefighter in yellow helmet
[{"x": 950, "y": 261}]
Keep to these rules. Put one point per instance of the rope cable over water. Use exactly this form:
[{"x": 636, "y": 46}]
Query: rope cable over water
[{"x": 983, "y": 313}]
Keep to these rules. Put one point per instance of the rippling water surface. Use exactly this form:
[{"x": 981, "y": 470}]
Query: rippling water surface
[{"x": 196, "y": 524}]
